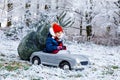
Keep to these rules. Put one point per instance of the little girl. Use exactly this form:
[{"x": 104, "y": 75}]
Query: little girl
[{"x": 53, "y": 42}]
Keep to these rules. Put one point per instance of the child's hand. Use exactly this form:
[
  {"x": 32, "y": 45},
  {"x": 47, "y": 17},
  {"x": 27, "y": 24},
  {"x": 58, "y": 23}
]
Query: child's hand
[{"x": 59, "y": 47}]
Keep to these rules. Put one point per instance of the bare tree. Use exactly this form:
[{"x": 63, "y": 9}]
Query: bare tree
[
  {"x": 117, "y": 3},
  {"x": 27, "y": 13},
  {"x": 9, "y": 9},
  {"x": 2, "y": 11}
]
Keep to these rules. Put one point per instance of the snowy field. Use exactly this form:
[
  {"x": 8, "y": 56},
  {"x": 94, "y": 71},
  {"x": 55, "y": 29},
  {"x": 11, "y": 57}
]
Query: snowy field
[{"x": 105, "y": 63}]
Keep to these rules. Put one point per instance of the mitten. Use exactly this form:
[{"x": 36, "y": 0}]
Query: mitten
[{"x": 64, "y": 47}]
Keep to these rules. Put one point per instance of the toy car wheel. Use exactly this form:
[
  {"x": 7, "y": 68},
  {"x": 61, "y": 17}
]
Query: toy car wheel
[
  {"x": 65, "y": 66},
  {"x": 36, "y": 60}
]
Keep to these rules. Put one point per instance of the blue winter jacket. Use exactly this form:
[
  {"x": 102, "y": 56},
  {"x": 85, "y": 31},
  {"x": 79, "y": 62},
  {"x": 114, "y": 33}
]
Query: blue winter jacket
[{"x": 51, "y": 44}]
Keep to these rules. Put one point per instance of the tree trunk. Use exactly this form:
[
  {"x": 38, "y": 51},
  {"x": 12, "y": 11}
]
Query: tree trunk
[
  {"x": 88, "y": 32},
  {"x": 80, "y": 30},
  {"x": 27, "y": 14},
  {"x": 9, "y": 8},
  {"x": 38, "y": 7},
  {"x": 0, "y": 25}
]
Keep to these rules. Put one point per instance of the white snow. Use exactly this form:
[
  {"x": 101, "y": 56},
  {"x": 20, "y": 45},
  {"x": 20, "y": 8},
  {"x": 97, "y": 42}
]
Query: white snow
[{"x": 103, "y": 60}]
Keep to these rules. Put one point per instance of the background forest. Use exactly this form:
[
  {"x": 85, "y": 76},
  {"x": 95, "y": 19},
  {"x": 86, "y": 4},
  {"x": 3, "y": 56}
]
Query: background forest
[{"x": 92, "y": 20}]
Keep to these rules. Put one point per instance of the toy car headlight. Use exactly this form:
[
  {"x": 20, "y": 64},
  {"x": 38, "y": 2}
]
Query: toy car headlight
[{"x": 78, "y": 61}]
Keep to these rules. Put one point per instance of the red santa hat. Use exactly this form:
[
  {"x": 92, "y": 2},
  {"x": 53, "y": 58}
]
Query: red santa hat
[{"x": 55, "y": 28}]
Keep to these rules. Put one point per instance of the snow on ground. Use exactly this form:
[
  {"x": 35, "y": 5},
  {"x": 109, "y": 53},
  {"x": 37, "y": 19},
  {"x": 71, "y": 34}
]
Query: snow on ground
[{"x": 105, "y": 64}]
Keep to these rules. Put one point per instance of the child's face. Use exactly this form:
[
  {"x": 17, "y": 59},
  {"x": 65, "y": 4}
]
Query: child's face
[{"x": 58, "y": 34}]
